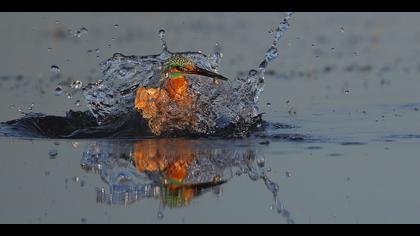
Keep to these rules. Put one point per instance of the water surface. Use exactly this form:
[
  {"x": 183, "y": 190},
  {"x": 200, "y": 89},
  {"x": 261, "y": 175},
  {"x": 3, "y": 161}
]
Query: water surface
[{"x": 343, "y": 93}]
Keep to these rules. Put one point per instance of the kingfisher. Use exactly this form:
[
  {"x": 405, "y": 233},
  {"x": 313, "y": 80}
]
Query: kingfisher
[{"x": 169, "y": 107}]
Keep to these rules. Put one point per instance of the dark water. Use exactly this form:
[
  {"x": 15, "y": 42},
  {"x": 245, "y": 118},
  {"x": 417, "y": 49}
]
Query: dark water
[
  {"x": 339, "y": 141},
  {"x": 75, "y": 125},
  {"x": 82, "y": 125}
]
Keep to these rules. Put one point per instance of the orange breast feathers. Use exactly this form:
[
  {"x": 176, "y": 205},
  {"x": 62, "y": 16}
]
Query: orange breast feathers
[{"x": 157, "y": 104}]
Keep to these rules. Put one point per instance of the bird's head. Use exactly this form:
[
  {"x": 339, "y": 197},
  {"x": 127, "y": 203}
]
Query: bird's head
[{"x": 178, "y": 65}]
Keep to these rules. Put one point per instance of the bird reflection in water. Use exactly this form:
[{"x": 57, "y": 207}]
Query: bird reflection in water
[{"x": 173, "y": 171}]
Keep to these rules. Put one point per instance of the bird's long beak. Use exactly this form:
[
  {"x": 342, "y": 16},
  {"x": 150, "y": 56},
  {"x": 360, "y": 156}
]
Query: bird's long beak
[{"x": 207, "y": 73}]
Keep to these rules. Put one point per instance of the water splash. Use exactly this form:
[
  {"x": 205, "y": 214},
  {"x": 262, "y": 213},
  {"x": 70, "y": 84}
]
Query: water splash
[
  {"x": 76, "y": 85},
  {"x": 81, "y": 32},
  {"x": 162, "y": 34},
  {"x": 217, "y": 105},
  {"x": 216, "y": 57}
]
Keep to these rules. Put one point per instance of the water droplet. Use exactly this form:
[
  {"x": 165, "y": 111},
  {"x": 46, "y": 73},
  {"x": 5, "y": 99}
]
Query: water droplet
[
  {"x": 55, "y": 69},
  {"x": 268, "y": 169},
  {"x": 116, "y": 26},
  {"x": 97, "y": 50},
  {"x": 279, "y": 206},
  {"x": 217, "y": 179},
  {"x": 77, "y": 103},
  {"x": 53, "y": 153},
  {"x": 216, "y": 57},
  {"x": 49, "y": 49},
  {"x": 69, "y": 96},
  {"x": 83, "y": 30},
  {"x": 268, "y": 104},
  {"x": 271, "y": 54},
  {"x": 260, "y": 161},
  {"x": 271, "y": 186},
  {"x": 89, "y": 51},
  {"x": 78, "y": 34},
  {"x": 160, "y": 215},
  {"x": 347, "y": 92},
  {"x": 84, "y": 220},
  {"x": 57, "y": 22},
  {"x": 31, "y": 107},
  {"x": 123, "y": 72},
  {"x": 47, "y": 173},
  {"x": 76, "y": 179},
  {"x": 253, "y": 175},
  {"x": 21, "y": 111},
  {"x": 288, "y": 174},
  {"x": 252, "y": 73},
  {"x": 76, "y": 84},
  {"x": 342, "y": 29},
  {"x": 58, "y": 91},
  {"x": 161, "y": 33},
  {"x": 216, "y": 82}
]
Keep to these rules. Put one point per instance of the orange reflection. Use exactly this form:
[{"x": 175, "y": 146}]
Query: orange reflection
[
  {"x": 157, "y": 156},
  {"x": 171, "y": 158}
]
